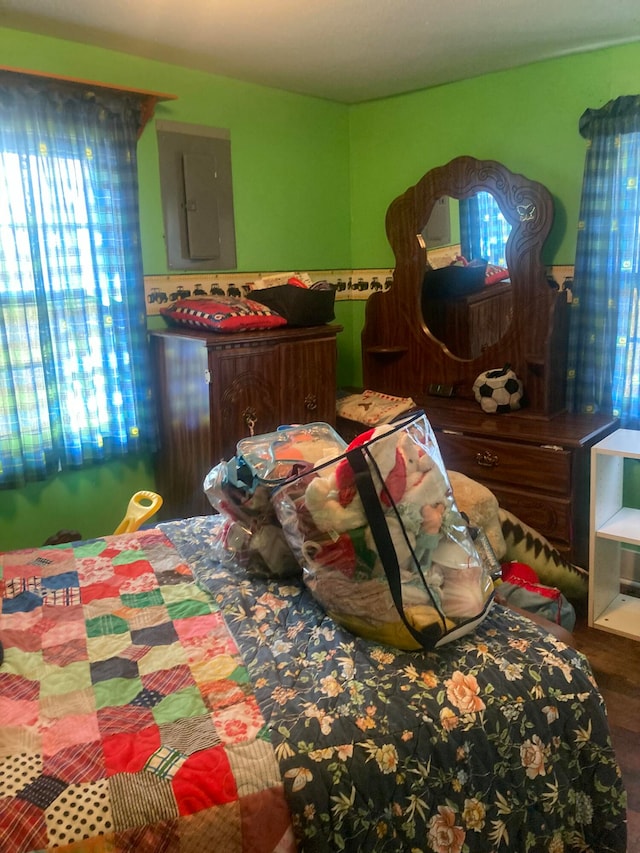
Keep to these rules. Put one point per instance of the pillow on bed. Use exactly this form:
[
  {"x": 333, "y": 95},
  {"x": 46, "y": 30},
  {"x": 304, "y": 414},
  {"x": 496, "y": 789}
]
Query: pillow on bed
[{"x": 222, "y": 314}]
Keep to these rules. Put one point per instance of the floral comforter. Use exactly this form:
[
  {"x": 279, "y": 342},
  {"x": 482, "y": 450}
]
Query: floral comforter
[{"x": 498, "y": 742}]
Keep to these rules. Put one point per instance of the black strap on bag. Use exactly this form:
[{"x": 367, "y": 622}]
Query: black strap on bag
[{"x": 429, "y": 636}]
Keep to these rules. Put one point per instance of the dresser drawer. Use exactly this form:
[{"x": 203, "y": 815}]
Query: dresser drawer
[
  {"x": 510, "y": 463},
  {"x": 550, "y": 516}
]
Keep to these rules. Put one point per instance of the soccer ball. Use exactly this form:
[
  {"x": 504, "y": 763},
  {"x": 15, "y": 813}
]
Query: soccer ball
[{"x": 498, "y": 391}]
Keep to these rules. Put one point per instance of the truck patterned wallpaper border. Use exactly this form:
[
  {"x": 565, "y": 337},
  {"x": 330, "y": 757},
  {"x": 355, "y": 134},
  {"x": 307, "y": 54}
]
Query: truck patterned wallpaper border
[{"x": 349, "y": 284}]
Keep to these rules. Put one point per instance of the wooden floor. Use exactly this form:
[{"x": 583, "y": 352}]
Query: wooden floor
[{"x": 616, "y": 665}]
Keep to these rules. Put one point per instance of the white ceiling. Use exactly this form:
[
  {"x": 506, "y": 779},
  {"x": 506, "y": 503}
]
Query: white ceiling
[{"x": 344, "y": 50}]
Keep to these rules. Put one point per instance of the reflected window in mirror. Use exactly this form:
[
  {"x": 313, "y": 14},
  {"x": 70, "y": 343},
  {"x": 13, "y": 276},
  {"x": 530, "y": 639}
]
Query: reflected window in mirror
[{"x": 484, "y": 230}]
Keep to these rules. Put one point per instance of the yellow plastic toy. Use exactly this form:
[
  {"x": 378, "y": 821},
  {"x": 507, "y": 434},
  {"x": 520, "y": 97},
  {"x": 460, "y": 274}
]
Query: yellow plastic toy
[{"x": 141, "y": 507}]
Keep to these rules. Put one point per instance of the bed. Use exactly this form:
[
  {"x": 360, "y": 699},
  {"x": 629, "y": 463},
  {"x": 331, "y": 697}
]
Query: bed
[{"x": 153, "y": 699}]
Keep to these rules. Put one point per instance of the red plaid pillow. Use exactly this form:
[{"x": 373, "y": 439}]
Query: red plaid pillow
[
  {"x": 494, "y": 274},
  {"x": 221, "y": 314}
]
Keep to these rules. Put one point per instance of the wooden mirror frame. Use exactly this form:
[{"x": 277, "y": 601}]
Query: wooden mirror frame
[{"x": 400, "y": 356}]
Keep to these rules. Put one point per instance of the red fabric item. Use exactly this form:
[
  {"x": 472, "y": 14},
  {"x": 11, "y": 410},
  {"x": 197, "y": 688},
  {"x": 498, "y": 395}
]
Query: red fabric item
[
  {"x": 494, "y": 274},
  {"x": 221, "y": 314},
  {"x": 127, "y": 753},
  {"x": 514, "y": 572},
  {"x": 524, "y": 576}
]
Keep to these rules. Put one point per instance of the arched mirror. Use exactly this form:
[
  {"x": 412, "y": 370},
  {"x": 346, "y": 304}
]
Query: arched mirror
[
  {"x": 466, "y": 296},
  {"x": 409, "y": 348}
]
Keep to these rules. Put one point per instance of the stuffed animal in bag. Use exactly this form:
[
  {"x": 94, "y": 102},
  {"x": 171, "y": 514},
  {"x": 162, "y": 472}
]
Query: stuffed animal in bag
[{"x": 413, "y": 482}]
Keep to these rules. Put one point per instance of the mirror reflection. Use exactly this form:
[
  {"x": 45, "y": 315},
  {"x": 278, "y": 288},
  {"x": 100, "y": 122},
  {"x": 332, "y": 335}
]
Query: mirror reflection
[{"x": 466, "y": 291}]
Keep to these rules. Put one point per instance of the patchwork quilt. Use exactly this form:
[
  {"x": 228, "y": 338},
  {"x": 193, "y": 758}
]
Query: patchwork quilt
[{"x": 127, "y": 718}]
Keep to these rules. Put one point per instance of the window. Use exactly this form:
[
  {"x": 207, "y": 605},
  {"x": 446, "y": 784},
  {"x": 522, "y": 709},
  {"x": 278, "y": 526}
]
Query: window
[
  {"x": 604, "y": 339},
  {"x": 74, "y": 375},
  {"x": 484, "y": 231}
]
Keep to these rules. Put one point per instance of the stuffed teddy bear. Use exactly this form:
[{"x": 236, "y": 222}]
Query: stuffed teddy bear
[
  {"x": 412, "y": 482},
  {"x": 481, "y": 507}
]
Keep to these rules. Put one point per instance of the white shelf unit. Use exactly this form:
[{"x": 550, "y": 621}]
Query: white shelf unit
[{"x": 612, "y": 526}]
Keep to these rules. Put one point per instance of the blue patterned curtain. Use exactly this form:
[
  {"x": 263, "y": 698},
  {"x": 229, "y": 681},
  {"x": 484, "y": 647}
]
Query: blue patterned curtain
[
  {"x": 74, "y": 373},
  {"x": 483, "y": 229},
  {"x": 604, "y": 334}
]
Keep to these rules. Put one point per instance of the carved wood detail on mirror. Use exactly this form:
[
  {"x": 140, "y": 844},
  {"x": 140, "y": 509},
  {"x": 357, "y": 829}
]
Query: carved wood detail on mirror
[{"x": 522, "y": 323}]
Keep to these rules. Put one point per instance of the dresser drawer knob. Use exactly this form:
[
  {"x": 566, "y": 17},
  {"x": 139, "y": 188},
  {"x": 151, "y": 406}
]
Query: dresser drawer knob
[
  {"x": 487, "y": 459},
  {"x": 311, "y": 402}
]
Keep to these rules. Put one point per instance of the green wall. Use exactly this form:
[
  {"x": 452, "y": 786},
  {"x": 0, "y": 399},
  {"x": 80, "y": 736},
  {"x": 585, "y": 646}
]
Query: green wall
[
  {"x": 526, "y": 118},
  {"x": 312, "y": 182}
]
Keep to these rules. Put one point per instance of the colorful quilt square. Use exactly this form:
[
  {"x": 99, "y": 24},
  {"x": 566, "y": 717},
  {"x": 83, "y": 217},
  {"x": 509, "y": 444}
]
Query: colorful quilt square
[
  {"x": 15, "y": 712},
  {"x": 104, "y": 646},
  {"x": 106, "y": 624},
  {"x": 156, "y": 635},
  {"x": 18, "y": 686},
  {"x": 179, "y": 705},
  {"x": 56, "y": 632},
  {"x": 82, "y": 761},
  {"x": 103, "y": 670},
  {"x": 102, "y": 589},
  {"x": 61, "y": 580},
  {"x": 128, "y": 753},
  {"x": 140, "y": 799},
  {"x": 223, "y": 693},
  {"x": 125, "y": 718},
  {"x": 18, "y": 769},
  {"x": 139, "y": 583},
  {"x": 190, "y": 735},
  {"x": 57, "y": 680},
  {"x": 205, "y": 779},
  {"x": 60, "y": 596},
  {"x": 188, "y": 608},
  {"x": 241, "y": 722},
  {"x": 22, "y": 825},
  {"x": 150, "y": 598},
  {"x": 160, "y": 837},
  {"x": 22, "y": 602},
  {"x": 198, "y": 626},
  {"x": 69, "y": 731},
  {"x": 12, "y": 587},
  {"x": 79, "y": 812},
  {"x": 60, "y": 705},
  {"x": 147, "y": 618},
  {"x": 28, "y": 642},
  {"x": 168, "y": 681},
  {"x": 165, "y": 762},
  {"x": 42, "y": 791},
  {"x": 116, "y": 691},
  {"x": 65, "y": 653}
]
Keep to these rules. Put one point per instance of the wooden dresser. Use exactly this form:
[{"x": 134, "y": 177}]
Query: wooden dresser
[
  {"x": 537, "y": 468},
  {"x": 214, "y": 389}
]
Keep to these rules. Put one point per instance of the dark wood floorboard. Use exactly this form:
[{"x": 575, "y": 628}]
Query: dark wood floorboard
[{"x": 616, "y": 666}]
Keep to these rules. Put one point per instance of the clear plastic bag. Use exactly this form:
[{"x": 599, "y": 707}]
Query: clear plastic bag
[
  {"x": 240, "y": 489},
  {"x": 381, "y": 542}
]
